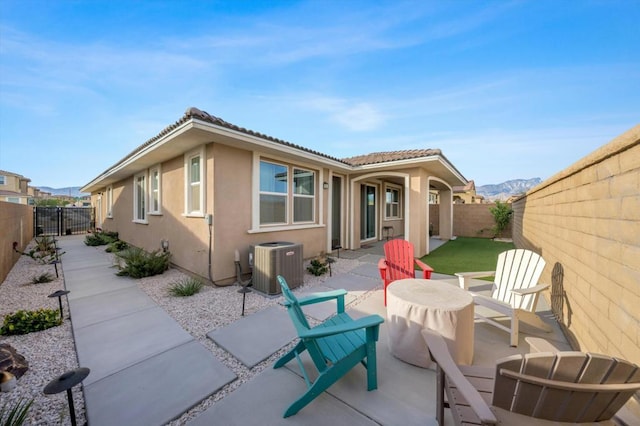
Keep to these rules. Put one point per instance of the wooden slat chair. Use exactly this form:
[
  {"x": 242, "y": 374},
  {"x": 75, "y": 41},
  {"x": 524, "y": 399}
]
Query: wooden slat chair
[
  {"x": 335, "y": 346},
  {"x": 515, "y": 290},
  {"x": 399, "y": 263},
  {"x": 571, "y": 387}
]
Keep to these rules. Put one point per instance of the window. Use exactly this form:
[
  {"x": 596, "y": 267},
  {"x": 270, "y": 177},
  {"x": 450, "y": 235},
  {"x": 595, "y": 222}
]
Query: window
[
  {"x": 194, "y": 183},
  {"x": 155, "y": 201},
  {"x": 109, "y": 201},
  {"x": 285, "y": 193},
  {"x": 3, "y": 180},
  {"x": 274, "y": 179},
  {"x": 392, "y": 203},
  {"x": 303, "y": 195},
  {"x": 139, "y": 197}
]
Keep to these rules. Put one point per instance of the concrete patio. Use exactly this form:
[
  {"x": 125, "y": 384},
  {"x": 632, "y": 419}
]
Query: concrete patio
[{"x": 147, "y": 370}]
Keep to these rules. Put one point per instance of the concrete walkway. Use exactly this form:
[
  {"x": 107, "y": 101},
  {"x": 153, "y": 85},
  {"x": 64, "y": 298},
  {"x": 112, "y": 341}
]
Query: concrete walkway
[{"x": 146, "y": 370}]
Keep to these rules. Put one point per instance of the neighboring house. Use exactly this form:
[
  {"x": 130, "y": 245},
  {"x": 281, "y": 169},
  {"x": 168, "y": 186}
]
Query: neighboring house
[
  {"x": 210, "y": 188},
  {"x": 466, "y": 194},
  {"x": 14, "y": 188}
]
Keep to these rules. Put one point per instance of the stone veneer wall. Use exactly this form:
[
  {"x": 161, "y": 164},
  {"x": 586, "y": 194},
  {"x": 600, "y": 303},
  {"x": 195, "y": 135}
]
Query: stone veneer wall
[
  {"x": 16, "y": 223},
  {"x": 585, "y": 222}
]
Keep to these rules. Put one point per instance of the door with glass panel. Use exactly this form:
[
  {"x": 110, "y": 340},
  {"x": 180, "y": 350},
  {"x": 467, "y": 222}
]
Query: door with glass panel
[{"x": 367, "y": 212}]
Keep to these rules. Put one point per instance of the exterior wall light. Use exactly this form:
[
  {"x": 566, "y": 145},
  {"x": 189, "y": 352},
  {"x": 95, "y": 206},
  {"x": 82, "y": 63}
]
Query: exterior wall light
[
  {"x": 165, "y": 245},
  {"x": 325, "y": 185}
]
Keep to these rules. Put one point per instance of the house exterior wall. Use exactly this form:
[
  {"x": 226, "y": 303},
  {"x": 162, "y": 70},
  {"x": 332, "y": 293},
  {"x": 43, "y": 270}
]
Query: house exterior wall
[
  {"x": 16, "y": 222},
  {"x": 585, "y": 222}
]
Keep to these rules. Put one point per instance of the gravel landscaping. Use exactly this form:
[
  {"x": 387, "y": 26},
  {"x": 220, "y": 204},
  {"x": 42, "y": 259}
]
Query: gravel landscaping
[{"x": 52, "y": 352}]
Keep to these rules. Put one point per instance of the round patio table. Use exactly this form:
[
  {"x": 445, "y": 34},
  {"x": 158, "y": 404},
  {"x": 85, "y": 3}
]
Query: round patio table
[{"x": 416, "y": 304}]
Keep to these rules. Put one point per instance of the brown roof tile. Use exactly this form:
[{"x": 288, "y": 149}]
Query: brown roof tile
[{"x": 382, "y": 157}]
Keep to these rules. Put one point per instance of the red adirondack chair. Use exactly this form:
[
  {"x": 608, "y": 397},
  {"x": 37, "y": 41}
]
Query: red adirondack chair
[{"x": 399, "y": 263}]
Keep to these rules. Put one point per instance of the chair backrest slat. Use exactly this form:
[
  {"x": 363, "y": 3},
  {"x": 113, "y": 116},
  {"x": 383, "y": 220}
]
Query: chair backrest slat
[
  {"x": 399, "y": 256},
  {"x": 293, "y": 307},
  {"x": 517, "y": 269},
  {"x": 554, "y": 403}
]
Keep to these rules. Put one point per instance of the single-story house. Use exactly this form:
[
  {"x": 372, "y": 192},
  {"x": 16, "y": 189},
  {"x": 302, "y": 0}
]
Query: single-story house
[{"x": 209, "y": 188}]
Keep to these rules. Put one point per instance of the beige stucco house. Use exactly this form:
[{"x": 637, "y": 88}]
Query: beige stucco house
[
  {"x": 210, "y": 188},
  {"x": 14, "y": 188}
]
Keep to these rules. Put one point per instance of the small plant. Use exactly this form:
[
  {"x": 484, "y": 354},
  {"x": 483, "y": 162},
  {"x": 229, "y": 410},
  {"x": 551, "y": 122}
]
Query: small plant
[
  {"x": 101, "y": 238},
  {"x": 185, "y": 287},
  {"x": 44, "y": 250},
  {"x": 501, "y": 215},
  {"x": 15, "y": 415},
  {"x": 117, "y": 246},
  {"x": 139, "y": 264},
  {"x": 317, "y": 267},
  {"x": 24, "y": 322},
  {"x": 42, "y": 278}
]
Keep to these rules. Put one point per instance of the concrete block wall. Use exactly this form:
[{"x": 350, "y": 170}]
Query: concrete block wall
[
  {"x": 16, "y": 222},
  {"x": 585, "y": 222},
  {"x": 469, "y": 220}
]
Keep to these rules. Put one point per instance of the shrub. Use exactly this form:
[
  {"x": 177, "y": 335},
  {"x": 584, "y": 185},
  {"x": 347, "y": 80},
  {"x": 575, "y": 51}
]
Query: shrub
[
  {"x": 117, "y": 246},
  {"x": 139, "y": 264},
  {"x": 42, "y": 278},
  {"x": 501, "y": 215},
  {"x": 44, "y": 250},
  {"x": 101, "y": 238},
  {"x": 15, "y": 415},
  {"x": 24, "y": 322},
  {"x": 185, "y": 287},
  {"x": 317, "y": 267}
]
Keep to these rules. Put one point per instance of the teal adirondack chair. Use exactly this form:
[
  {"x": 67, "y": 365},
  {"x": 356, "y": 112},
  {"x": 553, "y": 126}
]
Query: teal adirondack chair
[{"x": 335, "y": 346}]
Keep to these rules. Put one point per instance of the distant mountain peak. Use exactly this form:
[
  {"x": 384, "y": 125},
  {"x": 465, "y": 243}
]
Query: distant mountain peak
[{"x": 504, "y": 190}]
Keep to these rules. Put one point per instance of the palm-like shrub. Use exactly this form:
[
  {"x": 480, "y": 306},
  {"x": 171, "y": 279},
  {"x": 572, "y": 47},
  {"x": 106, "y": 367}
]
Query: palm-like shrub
[
  {"x": 185, "y": 287},
  {"x": 137, "y": 263}
]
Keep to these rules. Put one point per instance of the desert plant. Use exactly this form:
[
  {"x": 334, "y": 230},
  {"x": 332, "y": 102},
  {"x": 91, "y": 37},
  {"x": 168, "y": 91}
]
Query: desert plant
[
  {"x": 317, "y": 267},
  {"x": 185, "y": 287},
  {"x": 101, "y": 238},
  {"x": 42, "y": 278},
  {"x": 117, "y": 246},
  {"x": 15, "y": 415},
  {"x": 501, "y": 215},
  {"x": 139, "y": 263},
  {"x": 24, "y": 322},
  {"x": 44, "y": 251}
]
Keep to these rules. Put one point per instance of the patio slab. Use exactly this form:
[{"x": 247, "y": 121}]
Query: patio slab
[
  {"x": 276, "y": 390},
  {"x": 157, "y": 390},
  {"x": 93, "y": 309},
  {"x": 110, "y": 346},
  {"x": 322, "y": 311},
  {"x": 369, "y": 270},
  {"x": 255, "y": 337},
  {"x": 352, "y": 282}
]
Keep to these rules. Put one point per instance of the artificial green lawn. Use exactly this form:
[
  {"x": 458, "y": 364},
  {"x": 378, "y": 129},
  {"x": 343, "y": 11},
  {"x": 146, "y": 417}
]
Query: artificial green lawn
[{"x": 466, "y": 255}]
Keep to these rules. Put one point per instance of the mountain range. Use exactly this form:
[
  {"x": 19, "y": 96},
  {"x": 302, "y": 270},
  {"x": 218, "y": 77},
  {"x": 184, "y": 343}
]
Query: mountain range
[
  {"x": 500, "y": 191},
  {"x": 504, "y": 190},
  {"x": 70, "y": 191}
]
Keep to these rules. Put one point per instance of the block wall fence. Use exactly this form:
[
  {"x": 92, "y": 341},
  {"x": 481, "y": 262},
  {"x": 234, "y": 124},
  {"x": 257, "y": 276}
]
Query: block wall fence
[
  {"x": 16, "y": 223},
  {"x": 585, "y": 222},
  {"x": 469, "y": 220}
]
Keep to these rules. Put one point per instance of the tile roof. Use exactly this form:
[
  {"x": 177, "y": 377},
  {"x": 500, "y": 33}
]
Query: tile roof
[{"x": 382, "y": 157}]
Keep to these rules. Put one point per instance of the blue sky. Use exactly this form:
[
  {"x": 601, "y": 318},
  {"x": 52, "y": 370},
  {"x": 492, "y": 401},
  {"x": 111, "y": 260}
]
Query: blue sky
[{"x": 506, "y": 89}]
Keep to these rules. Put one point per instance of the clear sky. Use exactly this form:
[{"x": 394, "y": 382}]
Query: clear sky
[{"x": 506, "y": 89}]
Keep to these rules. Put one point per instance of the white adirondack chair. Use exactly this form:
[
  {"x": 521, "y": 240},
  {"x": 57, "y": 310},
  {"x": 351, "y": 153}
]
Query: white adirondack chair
[{"x": 515, "y": 290}]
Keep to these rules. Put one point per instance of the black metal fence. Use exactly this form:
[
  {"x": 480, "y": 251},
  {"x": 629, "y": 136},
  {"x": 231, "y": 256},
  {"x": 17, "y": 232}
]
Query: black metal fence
[{"x": 63, "y": 220}]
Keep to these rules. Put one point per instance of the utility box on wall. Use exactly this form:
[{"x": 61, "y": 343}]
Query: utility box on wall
[{"x": 273, "y": 259}]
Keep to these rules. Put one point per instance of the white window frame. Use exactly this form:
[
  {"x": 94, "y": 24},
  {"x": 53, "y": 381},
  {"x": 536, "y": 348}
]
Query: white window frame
[
  {"x": 189, "y": 211},
  {"x": 295, "y": 195},
  {"x": 157, "y": 192},
  {"x": 285, "y": 195},
  {"x": 110, "y": 202},
  {"x": 398, "y": 189},
  {"x": 140, "y": 200}
]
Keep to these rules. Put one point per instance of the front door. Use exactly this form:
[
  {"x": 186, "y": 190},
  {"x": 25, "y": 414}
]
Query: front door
[{"x": 367, "y": 212}]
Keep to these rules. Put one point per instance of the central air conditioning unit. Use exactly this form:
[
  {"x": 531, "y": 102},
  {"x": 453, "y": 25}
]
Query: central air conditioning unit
[{"x": 276, "y": 258}]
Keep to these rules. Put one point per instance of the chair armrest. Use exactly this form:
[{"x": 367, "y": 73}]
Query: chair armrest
[
  {"x": 464, "y": 277},
  {"x": 570, "y": 386},
  {"x": 360, "y": 323},
  {"x": 321, "y": 297},
  {"x": 426, "y": 269},
  {"x": 440, "y": 354},
  {"x": 530, "y": 290},
  {"x": 382, "y": 267}
]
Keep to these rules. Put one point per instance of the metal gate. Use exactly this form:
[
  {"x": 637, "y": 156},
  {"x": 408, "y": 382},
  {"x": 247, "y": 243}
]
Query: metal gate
[{"x": 63, "y": 220}]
